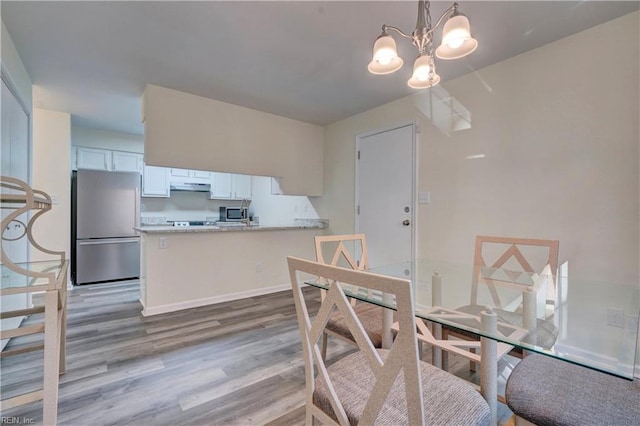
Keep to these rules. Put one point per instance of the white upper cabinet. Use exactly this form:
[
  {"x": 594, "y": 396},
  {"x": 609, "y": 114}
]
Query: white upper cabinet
[
  {"x": 93, "y": 158},
  {"x": 199, "y": 174},
  {"x": 220, "y": 185},
  {"x": 241, "y": 186},
  {"x": 155, "y": 181},
  {"x": 105, "y": 159},
  {"x": 180, "y": 173},
  {"x": 190, "y": 176},
  {"x": 127, "y": 162},
  {"x": 230, "y": 186}
]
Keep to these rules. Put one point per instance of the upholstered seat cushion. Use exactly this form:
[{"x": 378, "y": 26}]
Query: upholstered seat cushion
[
  {"x": 546, "y": 332},
  {"x": 448, "y": 400},
  {"x": 547, "y": 391},
  {"x": 370, "y": 317}
]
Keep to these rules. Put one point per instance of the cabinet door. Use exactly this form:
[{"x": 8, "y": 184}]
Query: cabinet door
[
  {"x": 241, "y": 185},
  {"x": 93, "y": 158},
  {"x": 200, "y": 175},
  {"x": 127, "y": 162},
  {"x": 155, "y": 181},
  {"x": 181, "y": 173},
  {"x": 220, "y": 185}
]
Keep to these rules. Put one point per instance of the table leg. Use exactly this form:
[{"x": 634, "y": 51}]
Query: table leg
[
  {"x": 436, "y": 300},
  {"x": 529, "y": 314},
  {"x": 387, "y": 322},
  {"x": 489, "y": 364}
]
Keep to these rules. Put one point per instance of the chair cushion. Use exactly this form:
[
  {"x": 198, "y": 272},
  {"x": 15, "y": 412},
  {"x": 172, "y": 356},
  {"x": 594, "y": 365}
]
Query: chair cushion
[
  {"x": 370, "y": 317},
  {"x": 546, "y": 333},
  {"x": 448, "y": 400},
  {"x": 547, "y": 391}
]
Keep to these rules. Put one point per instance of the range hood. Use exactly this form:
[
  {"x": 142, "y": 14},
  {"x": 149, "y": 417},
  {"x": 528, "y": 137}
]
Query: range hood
[{"x": 189, "y": 186}]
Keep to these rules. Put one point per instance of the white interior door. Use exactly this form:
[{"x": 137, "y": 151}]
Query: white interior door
[{"x": 385, "y": 193}]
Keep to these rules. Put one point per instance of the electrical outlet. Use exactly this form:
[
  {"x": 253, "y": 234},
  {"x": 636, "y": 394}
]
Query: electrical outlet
[
  {"x": 615, "y": 317},
  {"x": 259, "y": 266},
  {"x": 162, "y": 243}
]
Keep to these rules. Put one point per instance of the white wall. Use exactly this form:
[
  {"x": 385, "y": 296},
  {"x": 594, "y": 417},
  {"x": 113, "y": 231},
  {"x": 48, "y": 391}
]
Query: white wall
[
  {"x": 278, "y": 209},
  {"x": 229, "y": 138},
  {"x": 198, "y": 269},
  {"x": 52, "y": 174},
  {"x": 559, "y": 128},
  {"x": 96, "y": 138},
  {"x": 561, "y": 148},
  {"x": 14, "y": 70}
]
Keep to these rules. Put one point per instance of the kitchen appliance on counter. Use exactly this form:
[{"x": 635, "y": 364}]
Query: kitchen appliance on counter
[
  {"x": 233, "y": 214},
  {"x": 105, "y": 209}
]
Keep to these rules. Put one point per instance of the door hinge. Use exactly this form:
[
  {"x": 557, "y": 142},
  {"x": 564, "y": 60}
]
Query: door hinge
[
  {"x": 358, "y": 155},
  {"x": 358, "y": 210}
]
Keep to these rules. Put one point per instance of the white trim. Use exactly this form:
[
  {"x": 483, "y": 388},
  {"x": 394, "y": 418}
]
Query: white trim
[
  {"x": 5, "y": 75},
  {"x": 163, "y": 309},
  {"x": 414, "y": 173},
  {"x": 604, "y": 361}
]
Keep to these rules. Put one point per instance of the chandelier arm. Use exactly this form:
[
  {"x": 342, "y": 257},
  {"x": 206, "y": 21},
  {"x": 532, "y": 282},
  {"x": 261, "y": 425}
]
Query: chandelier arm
[
  {"x": 447, "y": 13},
  {"x": 390, "y": 27}
]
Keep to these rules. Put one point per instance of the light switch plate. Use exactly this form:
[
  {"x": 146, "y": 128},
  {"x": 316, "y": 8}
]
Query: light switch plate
[{"x": 424, "y": 197}]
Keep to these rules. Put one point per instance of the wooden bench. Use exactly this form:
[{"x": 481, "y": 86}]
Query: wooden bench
[{"x": 547, "y": 391}]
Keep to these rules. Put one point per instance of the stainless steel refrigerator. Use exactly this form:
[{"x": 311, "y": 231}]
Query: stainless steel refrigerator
[{"x": 105, "y": 209}]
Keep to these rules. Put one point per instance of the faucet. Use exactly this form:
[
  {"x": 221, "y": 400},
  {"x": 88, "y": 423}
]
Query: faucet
[{"x": 245, "y": 204}]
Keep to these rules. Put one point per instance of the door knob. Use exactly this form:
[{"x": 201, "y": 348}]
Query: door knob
[{"x": 406, "y": 222}]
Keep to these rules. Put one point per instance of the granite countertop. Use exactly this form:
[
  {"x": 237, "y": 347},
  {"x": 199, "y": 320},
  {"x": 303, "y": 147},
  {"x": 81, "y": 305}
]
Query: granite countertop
[{"x": 167, "y": 229}]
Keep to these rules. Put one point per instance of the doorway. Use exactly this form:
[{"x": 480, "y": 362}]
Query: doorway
[{"x": 385, "y": 193}]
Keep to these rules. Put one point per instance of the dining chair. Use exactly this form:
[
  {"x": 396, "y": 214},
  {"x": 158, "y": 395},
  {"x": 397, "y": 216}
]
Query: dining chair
[
  {"x": 357, "y": 258},
  {"x": 512, "y": 268},
  {"x": 375, "y": 386},
  {"x": 543, "y": 390}
]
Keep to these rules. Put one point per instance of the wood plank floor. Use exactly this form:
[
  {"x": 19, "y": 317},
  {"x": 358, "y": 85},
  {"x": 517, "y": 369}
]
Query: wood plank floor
[{"x": 236, "y": 363}]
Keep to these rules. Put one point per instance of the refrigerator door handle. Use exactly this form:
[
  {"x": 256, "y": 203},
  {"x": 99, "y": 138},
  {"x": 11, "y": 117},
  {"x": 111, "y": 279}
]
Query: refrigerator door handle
[{"x": 108, "y": 241}]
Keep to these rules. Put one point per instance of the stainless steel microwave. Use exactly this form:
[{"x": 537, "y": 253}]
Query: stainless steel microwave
[{"x": 233, "y": 214}]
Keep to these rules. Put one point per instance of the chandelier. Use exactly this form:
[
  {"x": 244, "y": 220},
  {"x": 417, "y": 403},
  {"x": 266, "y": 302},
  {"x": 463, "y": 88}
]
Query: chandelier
[{"x": 456, "y": 43}]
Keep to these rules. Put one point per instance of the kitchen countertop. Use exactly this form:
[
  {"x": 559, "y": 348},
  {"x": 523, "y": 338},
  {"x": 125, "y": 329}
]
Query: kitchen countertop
[{"x": 166, "y": 229}]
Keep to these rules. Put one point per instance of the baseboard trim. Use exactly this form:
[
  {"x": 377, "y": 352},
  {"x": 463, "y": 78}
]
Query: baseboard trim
[{"x": 173, "y": 307}]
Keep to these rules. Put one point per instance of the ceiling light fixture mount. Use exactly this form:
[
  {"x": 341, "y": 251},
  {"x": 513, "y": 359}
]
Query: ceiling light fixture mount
[{"x": 456, "y": 43}]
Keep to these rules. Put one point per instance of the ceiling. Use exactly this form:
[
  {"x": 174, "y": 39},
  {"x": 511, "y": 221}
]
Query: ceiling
[{"x": 305, "y": 60}]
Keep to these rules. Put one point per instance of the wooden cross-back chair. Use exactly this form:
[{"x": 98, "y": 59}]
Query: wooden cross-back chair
[
  {"x": 371, "y": 316},
  {"x": 373, "y": 386},
  {"x": 513, "y": 249},
  {"x": 511, "y": 264}
]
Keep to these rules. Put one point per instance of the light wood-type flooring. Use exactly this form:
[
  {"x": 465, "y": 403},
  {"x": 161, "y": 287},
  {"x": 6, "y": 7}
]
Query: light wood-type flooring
[{"x": 235, "y": 363}]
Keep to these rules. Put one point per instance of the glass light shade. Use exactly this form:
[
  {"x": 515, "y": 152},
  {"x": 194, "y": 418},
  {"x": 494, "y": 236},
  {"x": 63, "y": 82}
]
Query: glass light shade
[
  {"x": 456, "y": 39},
  {"x": 385, "y": 56},
  {"x": 424, "y": 73}
]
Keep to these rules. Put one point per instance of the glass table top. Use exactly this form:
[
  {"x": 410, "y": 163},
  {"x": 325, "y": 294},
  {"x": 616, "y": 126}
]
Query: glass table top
[
  {"x": 588, "y": 322},
  {"x": 52, "y": 269}
]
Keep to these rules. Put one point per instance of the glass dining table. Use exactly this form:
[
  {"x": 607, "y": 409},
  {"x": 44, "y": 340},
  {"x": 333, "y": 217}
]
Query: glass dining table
[{"x": 592, "y": 323}]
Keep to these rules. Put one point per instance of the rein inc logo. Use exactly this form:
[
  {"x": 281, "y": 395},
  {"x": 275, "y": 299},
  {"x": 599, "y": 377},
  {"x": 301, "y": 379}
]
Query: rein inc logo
[{"x": 15, "y": 420}]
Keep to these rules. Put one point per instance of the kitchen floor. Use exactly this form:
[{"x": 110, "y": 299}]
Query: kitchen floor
[{"x": 234, "y": 363}]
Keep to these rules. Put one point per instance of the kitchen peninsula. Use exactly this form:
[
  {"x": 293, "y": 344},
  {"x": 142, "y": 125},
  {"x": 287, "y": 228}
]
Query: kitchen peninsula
[{"x": 186, "y": 267}]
